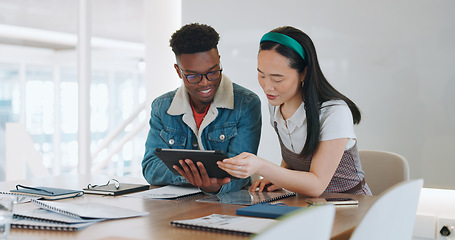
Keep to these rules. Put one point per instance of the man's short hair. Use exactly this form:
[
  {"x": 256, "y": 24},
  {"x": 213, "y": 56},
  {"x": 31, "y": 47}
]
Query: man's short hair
[{"x": 194, "y": 38}]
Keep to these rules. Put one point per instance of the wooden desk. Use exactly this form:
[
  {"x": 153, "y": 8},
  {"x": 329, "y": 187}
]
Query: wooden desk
[{"x": 156, "y": 225}]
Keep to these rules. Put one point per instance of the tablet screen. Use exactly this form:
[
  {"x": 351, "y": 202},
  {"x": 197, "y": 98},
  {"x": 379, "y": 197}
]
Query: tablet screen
[{"x": 209, "y": 158}]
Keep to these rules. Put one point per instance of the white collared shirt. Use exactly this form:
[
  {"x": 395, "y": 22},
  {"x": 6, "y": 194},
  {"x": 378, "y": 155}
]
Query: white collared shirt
[{"x": 335, "y": 118}]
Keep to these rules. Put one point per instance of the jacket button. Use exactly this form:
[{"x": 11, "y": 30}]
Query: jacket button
[
  {"x": 222, "y": 137},
  {"x": 171, "y": 142}
]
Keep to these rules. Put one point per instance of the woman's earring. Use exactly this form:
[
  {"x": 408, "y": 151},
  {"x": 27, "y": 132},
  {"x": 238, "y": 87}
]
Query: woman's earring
[{"x": 303, "y": 83}]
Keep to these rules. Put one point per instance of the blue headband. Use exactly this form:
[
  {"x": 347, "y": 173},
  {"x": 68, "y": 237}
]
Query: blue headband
[{"x": 284, "y": 40}]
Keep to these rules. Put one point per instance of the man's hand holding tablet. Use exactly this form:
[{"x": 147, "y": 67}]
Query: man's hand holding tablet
[
  {"x": 208, "y": 158},
  {"x": 199, "y": 167}
]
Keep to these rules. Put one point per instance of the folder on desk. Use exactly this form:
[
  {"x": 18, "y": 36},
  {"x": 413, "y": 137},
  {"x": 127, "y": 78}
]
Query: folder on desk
[{"x": 266, "y": 210}]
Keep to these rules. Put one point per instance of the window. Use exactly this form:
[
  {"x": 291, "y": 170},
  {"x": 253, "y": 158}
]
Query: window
[{"x": 39, "y": 83}]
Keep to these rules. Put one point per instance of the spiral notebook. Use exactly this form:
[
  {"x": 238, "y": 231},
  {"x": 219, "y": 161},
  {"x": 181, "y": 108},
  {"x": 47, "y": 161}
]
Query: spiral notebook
[
  {"x": 91, "y": 210},
  {"x": 30, "y": 216},
  {"x": 19, "y": 197},
  {"x": 33, "y": 212},
  {"x": 226, "y": 224},
  {"x": 245, "y": 197},
  {"x": 42, "y": 225}
]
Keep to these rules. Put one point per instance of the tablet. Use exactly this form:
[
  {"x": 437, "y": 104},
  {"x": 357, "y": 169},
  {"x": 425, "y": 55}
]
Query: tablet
[{"x": 171, "y": 157}]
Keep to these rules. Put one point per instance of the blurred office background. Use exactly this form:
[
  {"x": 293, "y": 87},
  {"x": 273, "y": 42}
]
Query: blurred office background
[{"x": 393, "y": 58}]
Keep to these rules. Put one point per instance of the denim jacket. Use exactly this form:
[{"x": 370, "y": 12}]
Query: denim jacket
[{"x": 232, "y": 124}]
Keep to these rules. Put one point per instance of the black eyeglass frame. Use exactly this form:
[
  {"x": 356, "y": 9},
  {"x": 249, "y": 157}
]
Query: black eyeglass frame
[
  {"x": 116, "y": 184},
  {"x": 202, "y": 75}
]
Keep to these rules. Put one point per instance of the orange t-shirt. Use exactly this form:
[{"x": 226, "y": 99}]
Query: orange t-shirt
[{"x": 198, "y": 117}]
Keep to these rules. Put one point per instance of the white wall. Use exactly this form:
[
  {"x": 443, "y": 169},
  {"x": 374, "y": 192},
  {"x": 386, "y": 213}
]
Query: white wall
[{"x": 393, "y": 58}]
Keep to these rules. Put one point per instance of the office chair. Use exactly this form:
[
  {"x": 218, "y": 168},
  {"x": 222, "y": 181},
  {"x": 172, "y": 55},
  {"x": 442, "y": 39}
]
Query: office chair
[
  {"x": 313, "y": 223},
  {"x": 383, "y": 169},
  {"x": 393, "y": 214}
]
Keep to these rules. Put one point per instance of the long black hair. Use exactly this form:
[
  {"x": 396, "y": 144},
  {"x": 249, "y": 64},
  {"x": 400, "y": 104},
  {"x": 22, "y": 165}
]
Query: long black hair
[{"x": 315, "y": 89}]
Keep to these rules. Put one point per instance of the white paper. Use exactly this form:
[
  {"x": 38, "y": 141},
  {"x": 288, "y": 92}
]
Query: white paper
[
  {"x": 230, "y": 223},
  {"x": 90, "y": 210},
  {"x": 31, "y": 224},
  {"x": 34, "y": 212},
  {"x": 165, "y": 192}
]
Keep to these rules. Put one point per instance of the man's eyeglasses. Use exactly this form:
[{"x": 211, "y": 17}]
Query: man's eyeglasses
[
  {"x": 197, "y": 78},
  {"x": 116, "y": 184}
]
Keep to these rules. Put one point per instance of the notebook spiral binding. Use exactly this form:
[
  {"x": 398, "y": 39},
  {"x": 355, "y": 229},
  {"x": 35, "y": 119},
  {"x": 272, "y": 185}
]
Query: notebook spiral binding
[
  {"x": 19, "y": 216},
  {"x": 187, "y": 197},
  {"x": 210, "y": 229},
  {"x": 45, "y": 206},
  {"x": 36, "y": 227},
  {"x": 19, "y": 194},
  {"x": 288, "y": 194}
]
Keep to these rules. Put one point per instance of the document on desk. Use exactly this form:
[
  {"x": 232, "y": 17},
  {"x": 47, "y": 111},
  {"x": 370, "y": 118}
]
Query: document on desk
[
  {"x": 167, "y": 192},
  {"x": 33, "y": 224},
  {"x": 91, "y": 210},
  {"x": 33, "y": 212},
  {"x": 227, "y": 224},
  {"x": 30, "y": 216}
]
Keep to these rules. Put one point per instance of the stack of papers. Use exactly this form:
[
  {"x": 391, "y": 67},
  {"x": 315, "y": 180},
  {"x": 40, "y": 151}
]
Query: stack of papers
[{"x": 63, "y": 216}]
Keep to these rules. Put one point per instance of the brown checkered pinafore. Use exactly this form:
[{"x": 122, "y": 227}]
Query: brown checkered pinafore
[{"x": 348, "y": 177}]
